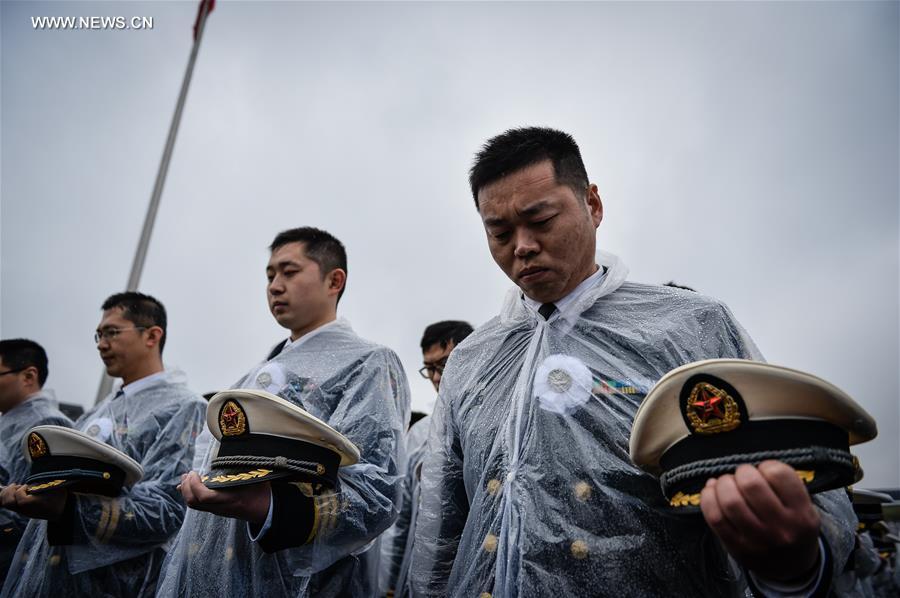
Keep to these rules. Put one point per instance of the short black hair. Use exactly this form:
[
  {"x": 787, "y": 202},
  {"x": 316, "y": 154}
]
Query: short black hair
[
  {"x": 21, "y": 353},
  {"x": 320, "y": 246},
  {"x": 141, "y": 309},
  {"x": 516, "y": 149},
  {"x": 445, "y": 332}
]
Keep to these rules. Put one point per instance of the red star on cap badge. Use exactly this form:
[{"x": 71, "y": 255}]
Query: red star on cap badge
[
  {"x": 232, "y": 421},
  {"x": 710, "y": 410},
  {"x": 709, "y": 405}
]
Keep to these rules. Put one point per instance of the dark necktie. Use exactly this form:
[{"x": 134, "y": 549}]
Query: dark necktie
[
  {"x": 277, "y": 350},
  {"x": 546, "y": 310}
]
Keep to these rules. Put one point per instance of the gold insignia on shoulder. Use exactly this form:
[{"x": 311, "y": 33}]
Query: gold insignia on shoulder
[
  {"x": 712, "y": 410},
  {"x": 232, "y": 419},
  {"x": 37, "y": 446}
]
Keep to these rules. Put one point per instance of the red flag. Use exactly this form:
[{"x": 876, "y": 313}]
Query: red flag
[{"x": 211, "y": 4}]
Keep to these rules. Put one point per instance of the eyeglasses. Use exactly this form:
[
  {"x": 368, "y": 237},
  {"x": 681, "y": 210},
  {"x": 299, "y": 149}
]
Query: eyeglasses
[
  {"x": 428, "y": 371},
  {"x": 13, "y": 371},
  {"x": 110, "y": 333}
]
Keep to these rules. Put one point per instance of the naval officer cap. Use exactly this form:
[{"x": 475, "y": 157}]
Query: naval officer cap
[
  {"x": 872, "y": 507},
  {"x": 265, "y": 438},
  {"x": 706, "y": 418},
  {"x": 878, "y": 514},
  {"x": 65, "y": 458}
]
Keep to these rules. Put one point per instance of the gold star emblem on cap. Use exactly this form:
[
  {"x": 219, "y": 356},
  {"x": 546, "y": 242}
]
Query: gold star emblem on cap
[
  {"x": 232, "y": 419},
  {"x": 712, "y": 410},
  {"x": 37, "y": 447}
]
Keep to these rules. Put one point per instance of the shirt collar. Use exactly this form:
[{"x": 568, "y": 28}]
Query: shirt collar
[
  {"x": 563, "y": 305},
  {"x": 43, "y": 394},
  {"x": 294, "y": 344},
  {"x": 129, "y": 390}
]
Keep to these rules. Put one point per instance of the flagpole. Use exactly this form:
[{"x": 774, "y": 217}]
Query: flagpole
[{"x": 140, "y": 255}]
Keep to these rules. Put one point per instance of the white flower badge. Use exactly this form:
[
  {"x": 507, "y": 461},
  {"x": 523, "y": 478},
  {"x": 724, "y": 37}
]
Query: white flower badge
[
  {"x": 562, "y": 384},
  {"x": 271, "y": 378},
  {"x": 100, "y": 429}
]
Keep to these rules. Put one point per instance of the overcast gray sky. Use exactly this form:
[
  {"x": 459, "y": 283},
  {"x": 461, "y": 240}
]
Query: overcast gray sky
[{"x": 749, "y": 150}]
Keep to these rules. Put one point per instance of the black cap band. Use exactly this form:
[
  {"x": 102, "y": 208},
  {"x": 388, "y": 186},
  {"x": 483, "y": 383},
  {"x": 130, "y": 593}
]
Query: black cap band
[{"x": 288, "y": 458}]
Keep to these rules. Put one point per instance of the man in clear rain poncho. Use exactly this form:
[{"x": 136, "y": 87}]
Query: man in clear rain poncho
[
  {"x": 87, "y": 545},
  {"x": 527, "y": 488},
  {"x": 438, "y": 341},
  {"x": 24, "y": 403},
  {"x": 274, "y": 539}
]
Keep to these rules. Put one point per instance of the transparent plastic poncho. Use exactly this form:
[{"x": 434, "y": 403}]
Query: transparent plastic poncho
[
  {"x": 396, "y": 543},
  {"x": 360, "y": 389},
  {"x": 527, "y": 488},
  {"x": 118, "y": 543}
]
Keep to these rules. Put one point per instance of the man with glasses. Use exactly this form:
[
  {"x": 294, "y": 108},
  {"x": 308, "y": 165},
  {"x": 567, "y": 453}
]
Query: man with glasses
[
  {"x": 78, "y": 544},
  {"x": 24, "y": 403},
  {"x": 438, "y": 341}
]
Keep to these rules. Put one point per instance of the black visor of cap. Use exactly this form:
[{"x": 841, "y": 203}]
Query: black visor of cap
[{"x": 76, "y": 474}]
